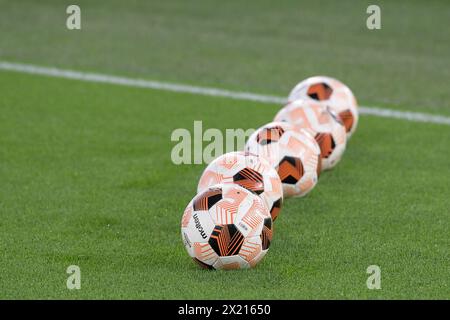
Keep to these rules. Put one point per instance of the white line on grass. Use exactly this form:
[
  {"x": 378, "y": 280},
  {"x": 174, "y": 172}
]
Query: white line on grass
[{"x": 141, "y": 83}]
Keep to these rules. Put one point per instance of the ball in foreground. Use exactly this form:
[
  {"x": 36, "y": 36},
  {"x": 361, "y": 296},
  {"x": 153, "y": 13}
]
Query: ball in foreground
[
  {"x": 293, "y": 153},
  {"x": 332, "y": 93},
  {"x": 249, "y": 171},
  {"x": 226, "y": 227},
  {"x": 322, "y": 124}
]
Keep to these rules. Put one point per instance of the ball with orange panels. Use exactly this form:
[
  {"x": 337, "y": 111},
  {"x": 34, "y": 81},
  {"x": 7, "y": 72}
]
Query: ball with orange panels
[
  {"x": 331, "y": 93},
  {"x": 322, "y": 123},
  {"x": 292, "y": 152},
  {"x": 249, "y": 171},
  {"x": 226, "y": 227}
]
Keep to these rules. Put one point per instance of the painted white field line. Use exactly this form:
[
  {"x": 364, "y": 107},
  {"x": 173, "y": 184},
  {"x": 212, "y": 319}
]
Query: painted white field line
[{"x": 175, "y": 87}]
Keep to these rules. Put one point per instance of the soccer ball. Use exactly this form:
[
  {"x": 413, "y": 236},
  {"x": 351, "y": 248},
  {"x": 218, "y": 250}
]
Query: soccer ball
[
  {"x": 331, "y": 93},
  {"x": 248, "y": 171},
  {"x": 293, "y": 153},
  {"x": 226, "y": 227},
  {"x": 322, "y": 123}
]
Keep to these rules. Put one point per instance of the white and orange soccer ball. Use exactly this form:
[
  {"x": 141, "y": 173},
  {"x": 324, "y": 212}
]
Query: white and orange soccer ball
[
  {"x": 226, "y": 227},
  {"x": 249, "y": 171},
  {"x": 293, "y": 153},
  {"x": 332, "y": 93},
  {"x": 322, "y": 123}
]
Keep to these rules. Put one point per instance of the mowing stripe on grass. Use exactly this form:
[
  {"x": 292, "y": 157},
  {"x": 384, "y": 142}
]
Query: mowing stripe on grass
[{"x": 175, "y": 87}]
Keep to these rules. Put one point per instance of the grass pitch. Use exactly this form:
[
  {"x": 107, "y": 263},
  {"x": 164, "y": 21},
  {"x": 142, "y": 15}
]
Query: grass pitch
[{"x": 87, "y": 179}]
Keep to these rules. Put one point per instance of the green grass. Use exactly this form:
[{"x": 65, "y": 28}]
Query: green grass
[
  {"x": 86, "y": 176},
  {"x": 254, "y": 46},
  {"x": 87, "y": 180}
]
